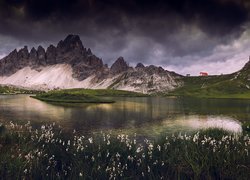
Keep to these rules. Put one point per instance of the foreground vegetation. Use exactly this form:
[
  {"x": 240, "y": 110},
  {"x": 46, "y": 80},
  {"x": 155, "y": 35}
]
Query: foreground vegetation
[
  {"x": 50, "y": 153},
  {"x": 84, "y": 95},
  {"x": 222, "y": 86}
]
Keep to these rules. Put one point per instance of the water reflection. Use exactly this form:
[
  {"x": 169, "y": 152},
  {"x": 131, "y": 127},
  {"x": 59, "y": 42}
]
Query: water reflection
[
  {"x": 148, "y": 115},
  {"x": 205, "y": 122}
]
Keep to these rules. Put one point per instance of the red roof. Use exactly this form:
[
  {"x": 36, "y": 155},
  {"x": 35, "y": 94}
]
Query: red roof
[{"x": 203, "y": 73}]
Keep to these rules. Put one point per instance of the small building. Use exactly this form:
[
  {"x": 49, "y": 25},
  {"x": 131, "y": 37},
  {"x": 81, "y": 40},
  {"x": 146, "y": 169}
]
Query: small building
[{"x": 203, "y": 74}]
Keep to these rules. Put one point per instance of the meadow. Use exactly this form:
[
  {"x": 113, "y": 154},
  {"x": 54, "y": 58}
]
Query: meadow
[{"x": 50, "y": 152}]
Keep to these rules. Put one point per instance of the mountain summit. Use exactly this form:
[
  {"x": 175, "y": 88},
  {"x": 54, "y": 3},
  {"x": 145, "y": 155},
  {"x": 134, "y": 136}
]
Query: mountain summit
[{"x": 71, "y": 65}]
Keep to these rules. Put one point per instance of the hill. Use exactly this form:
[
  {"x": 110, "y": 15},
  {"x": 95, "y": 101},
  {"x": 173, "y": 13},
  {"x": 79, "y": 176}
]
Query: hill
[{"x": 235, "y": 85}]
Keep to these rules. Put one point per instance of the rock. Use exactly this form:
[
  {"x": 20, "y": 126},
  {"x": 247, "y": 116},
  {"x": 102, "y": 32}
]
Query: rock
[
  {"x": 154, "y": 69},
  {"x": 41, "y": 56},
  {"x": 33, "y": 58},
  {"x": 94, "y": 61},
  {"x": 92, "y": 66},
  {"x": 247, "y": 65},
  {"x": 22, "y": 58},
  {"x": 89, "y": 52},
  {"x": 139, "y": 65},
  {"x": 71, "y": 50},
  {"x": 70, "y": 43},
  {"x": 120, "y": 65},
  {"x": 23, "y": 53},
  {"x": 33, "y": 54},
  {"x": 8, "y": 64},
  {"x": 51, "y": 55}
]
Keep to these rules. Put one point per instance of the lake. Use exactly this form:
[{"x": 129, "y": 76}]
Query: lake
[{"x": 143, "y": 115}]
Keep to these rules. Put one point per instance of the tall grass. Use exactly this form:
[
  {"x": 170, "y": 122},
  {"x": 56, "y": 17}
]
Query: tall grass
[{"x": 51, "y": 153}]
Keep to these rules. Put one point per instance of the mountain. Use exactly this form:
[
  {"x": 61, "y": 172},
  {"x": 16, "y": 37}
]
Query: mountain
[{"x": 71, "y": 65}]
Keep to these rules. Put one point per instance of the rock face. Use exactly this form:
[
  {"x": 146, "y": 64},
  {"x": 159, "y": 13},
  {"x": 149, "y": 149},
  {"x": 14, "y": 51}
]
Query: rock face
[
  {"x": 247, "y": 66},
  {"x": 87, "y": 69},
  {"x": 9, "y": 64},
  {"x": 139, "y": 65},
  {"x": 69, "y": 51},
  {"x": 149, "y": 79},
  {"x": 41, "y": 56},
  {"x": 51, "y": 55},
  {"x": 120, "y": 65}
]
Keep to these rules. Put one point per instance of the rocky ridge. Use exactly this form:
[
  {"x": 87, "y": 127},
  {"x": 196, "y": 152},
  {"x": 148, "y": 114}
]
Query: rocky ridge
[{"x": 86, "y": 67}]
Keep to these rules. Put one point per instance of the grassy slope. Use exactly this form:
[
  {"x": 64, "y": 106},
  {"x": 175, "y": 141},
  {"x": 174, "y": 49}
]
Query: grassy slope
[
  {"x": 84, "y": 95},
  {"x": 234, "y": 85}
]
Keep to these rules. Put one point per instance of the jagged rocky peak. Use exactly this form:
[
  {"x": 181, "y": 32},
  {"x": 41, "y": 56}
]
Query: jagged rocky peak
[
  {"x": 154, "y": 69},
  {"x": 41, "y": 55},
  {"x": 23, "y": 53},
  {"x": 71, "y": 51},
  {"x": 8, "y": 63},
  {"x": 22, "y": 57},
  {"x": 13, "y": 55},
  {"x": 70, "y": 43},
  {"x": 89, "y": 52},
  {"x": 119, "y": 66},
  {"x": 33, "y": 53},
  {"x": 33, "y": 57},
  {"x": 139, "y": 65},
  {"x": 51, "y": 54}
]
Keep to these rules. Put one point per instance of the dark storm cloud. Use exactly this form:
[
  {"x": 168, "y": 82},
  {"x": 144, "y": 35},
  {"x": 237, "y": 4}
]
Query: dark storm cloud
[{"x": 152, "y": 31}]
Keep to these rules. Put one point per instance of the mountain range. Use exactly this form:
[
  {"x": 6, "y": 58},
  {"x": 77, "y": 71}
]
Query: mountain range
[{"x": 71, "y": 65}]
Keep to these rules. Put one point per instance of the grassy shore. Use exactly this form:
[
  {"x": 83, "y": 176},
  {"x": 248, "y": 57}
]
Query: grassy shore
[
  {"x": 71, "y": 98},
  {"x": 84, "y": 95},
  {"x": 50, "y": 153},
  {"x": 101, "y": 92},
  {"x": 13, "y": 90}
]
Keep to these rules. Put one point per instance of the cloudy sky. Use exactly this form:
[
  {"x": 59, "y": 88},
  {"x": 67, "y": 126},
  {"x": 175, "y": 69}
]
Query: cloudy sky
[{"x": 187, "y": 36}]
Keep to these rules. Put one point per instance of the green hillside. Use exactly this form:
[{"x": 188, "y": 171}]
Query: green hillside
[{"x": 236, "y": 85}]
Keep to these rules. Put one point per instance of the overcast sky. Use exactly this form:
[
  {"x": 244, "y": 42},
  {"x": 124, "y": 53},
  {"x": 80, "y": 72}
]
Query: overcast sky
[{"x": 186, "y": 36}]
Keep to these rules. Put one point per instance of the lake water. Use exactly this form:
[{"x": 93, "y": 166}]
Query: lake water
[{"x": 147, "y": 115}]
